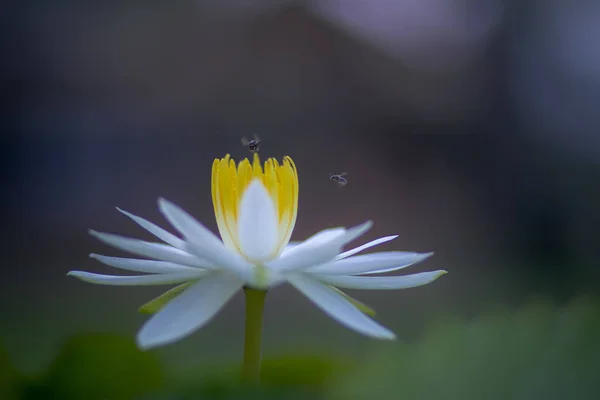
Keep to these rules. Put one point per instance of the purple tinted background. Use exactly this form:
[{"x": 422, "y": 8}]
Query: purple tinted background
[{"x": 467, "y": 128}]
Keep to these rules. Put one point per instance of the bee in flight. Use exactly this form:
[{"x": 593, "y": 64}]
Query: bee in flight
[
  {"x": 252, "y": 145},
  {"x": 339, "y": 178}
]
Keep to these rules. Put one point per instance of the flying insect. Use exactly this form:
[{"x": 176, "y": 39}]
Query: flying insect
[
  {"x": 339, "y": 178},
  {"x": 252, "y": 145}
]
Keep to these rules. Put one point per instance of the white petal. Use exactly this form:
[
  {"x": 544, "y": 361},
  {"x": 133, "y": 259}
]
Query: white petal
[
  {"x": 289, "y": 246},
  {"x": 158, "y": 251},
  {"x": 202, "y": 242},
  {"x": 318, "y": 251},
  {"x": 189, "y": 311},
  {"x": 370, "y": 263},
  {"x": 338, "y": 308},
  {"x": 356, "y": 232},
  {"x": 186, "y": 224},
  {"x": 139, "y": 280},
  {"x": 365, "y": 246},
  {"x": 257, "y": 223},
  {"x": 380, "y": 282},
  {"x": 322, "y": 238},
  {"x": 309, "y": 256},
  {"x": 137, "y": 265},
  {"x": 225, "y": 259},
  {"x": 156, "y": 230}
]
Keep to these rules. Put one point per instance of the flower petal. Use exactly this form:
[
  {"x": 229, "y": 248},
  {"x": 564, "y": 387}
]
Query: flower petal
[
  {"x": 156, "y": 230},
  {"x": 189, "y": 311},
  {"x": 138, "y": 280},
  {"x": 158, "y": 251},
  {"x": 226, "y": 259},
  {"x": 365, "y": 246},
  {"x": 338, "y": 308},
  {"x": 324, "y": 236},
  {"x": 380, "y": 282},
  {"x": 186, "y": 224},
  {"x": 202, "y": 242},
  {"x": 318, "y": 251},
  {"x": 289, "y": 246},
  {"x": 137, "y": 265},
  {"x": 257, "y": 223},
  {"x": 356, "y": 232},
  {"x": 370, "y": 263}
]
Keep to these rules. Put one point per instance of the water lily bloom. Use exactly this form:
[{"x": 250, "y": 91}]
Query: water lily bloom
[{"x": 256, "y": 210}]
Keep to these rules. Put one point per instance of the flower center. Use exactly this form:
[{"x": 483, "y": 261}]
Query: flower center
[{"x": 230, "y": 182}]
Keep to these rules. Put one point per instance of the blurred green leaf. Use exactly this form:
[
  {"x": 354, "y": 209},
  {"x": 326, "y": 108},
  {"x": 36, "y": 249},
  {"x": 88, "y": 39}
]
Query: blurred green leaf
[
  {"x": 159, "y": 302},
  {"x": 540, "y": 351},
  {"x": 315, "y": 371},
  {"x": 289, "y": 377},
  {"x": 100, "y": 366},
  {"x": 10, "y": 378}
]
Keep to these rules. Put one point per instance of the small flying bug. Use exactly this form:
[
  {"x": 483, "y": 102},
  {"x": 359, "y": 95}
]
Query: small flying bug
[
  {"x": 339, "y": 178},
  {"x": 252, "y": 145}
]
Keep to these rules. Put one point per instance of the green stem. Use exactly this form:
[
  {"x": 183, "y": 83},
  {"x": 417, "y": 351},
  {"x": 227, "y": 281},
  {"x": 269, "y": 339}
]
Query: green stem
[{"x": 255, "y": 301}]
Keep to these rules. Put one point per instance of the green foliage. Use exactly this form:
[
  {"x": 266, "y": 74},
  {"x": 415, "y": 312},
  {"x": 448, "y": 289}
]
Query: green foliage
[
  {"x": 301, "y": 371},
  {"x": 289, "y": 377},
  {"x": 541, "y": 351},
  {"x": 10, "y": 378},
  {"x": 97, "y": 366}
]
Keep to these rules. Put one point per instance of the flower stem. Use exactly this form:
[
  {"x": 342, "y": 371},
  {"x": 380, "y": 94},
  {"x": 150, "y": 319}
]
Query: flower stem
[{"x": 255, "y": 301}]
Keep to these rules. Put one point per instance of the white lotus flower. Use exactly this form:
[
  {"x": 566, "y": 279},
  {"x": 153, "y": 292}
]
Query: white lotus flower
[{"x": 256, "y": 212}]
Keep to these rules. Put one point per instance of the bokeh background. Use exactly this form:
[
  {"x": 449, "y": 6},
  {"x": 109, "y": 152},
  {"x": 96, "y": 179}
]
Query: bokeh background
[{"x": 468, "y": 128}]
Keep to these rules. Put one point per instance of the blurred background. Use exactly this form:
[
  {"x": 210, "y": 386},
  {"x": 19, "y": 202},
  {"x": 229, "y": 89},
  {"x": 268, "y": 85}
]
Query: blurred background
[{"x": 468, "y": 128}]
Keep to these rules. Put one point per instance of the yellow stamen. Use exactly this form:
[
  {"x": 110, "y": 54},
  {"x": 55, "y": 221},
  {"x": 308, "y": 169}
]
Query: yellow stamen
[{"x": 229, "y": 184}]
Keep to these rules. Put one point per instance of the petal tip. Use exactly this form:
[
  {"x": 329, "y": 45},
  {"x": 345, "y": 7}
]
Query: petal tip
[
  {"x": 364, "y": 227},
  {"x": 255, "y": 182},
  {"x": 146, "y": 341},
  {"x": 144, "y": 344},
  {"x": 386, "y": 335},
  {"x": 127, "y": 213},
  {"x": 255, "y": 188},
  {"x": 165, "y": 206}
]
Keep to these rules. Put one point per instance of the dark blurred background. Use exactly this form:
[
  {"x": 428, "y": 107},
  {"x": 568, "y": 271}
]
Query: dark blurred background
[{"x": 468, "y": 128}]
